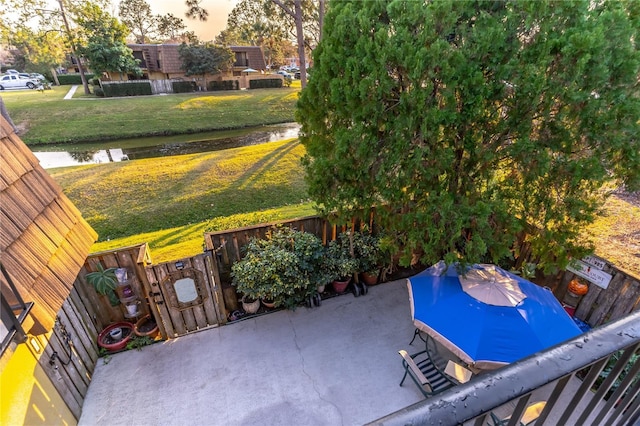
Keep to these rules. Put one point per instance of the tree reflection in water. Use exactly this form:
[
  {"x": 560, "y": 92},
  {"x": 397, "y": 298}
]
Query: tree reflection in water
[{"x": 83, "y": 156}]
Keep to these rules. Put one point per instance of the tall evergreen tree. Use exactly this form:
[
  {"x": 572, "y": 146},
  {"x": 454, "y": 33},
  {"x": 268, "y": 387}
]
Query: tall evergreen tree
[{"x": 469, "y": 124}]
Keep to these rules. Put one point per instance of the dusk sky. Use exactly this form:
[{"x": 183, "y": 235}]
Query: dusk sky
[
  {"x": 218, "y": 12},
  {"x": 217, "y": 21}
]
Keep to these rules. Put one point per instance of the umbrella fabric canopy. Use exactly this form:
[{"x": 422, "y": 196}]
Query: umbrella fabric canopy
[
  {"x": 526, "y": 318},
  {"x": 249, "y": 70}
]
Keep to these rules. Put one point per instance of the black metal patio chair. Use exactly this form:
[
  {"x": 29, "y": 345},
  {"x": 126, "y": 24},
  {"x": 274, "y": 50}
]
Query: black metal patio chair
[{"x": 429, "y": 378}]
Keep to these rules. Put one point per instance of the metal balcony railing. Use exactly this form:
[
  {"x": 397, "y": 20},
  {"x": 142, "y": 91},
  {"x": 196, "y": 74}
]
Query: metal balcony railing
[
  {"x": 593, "y": 379},
  {"x": 11, "y": 315}
]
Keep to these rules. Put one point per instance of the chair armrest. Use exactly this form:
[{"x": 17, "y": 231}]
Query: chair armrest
[
  {"x": 458, "y": 372},
  {"x": 415, "y": 370}
]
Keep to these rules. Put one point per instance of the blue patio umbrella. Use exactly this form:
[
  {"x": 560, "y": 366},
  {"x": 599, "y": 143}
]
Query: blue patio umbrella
[{"x": 488, "y": 317}]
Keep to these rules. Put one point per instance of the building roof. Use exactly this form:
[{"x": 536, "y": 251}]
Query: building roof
[
  {"x": 254, "y": 55},
  {"x": 44, "y": 239}
]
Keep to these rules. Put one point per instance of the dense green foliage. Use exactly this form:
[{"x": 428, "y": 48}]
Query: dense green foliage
[
  {"x": 104, "y": 44},
  {"x": 265, "y": 83},
  {"x": 224, "y": 85},
  {"x": 285, "y": 267},
  {"x": 201, "y": 59},
  {"x": 183, "y": 86},
  {"x": 138, "y": 88},
  {"x": 71, "y": 79},
  {"x": 470, "y": 124}
]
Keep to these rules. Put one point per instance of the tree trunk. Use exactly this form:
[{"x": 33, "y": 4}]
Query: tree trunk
[
  {"x": 297, "y": 15},
  {"x": 320, "y": 18},
  {"x": 300, "y": 36},
  {"x": 54, "y": 75},
  {"x": 73, "y": 51}
]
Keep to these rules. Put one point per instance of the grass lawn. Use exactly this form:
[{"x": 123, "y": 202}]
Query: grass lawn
[
  {"x": 45, "y": 117},
  {"x": 170, "y": 202},
  {"x": 616, "y": 233}
]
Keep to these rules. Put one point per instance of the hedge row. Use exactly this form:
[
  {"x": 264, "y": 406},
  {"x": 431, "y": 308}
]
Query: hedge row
[
  {"x": 126, "y": 89},
  {"x": 223, "y": 85},
  {"x": 265, "y": 84},
  {"x": 66, "y": 79},
  {"x": 183, "y": 86}
]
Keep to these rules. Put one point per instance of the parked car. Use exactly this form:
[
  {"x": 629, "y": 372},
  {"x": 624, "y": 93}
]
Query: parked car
[
  {"x": 297, "y": 74},
  {"x": 14, "y": 81},
  {"x": 37, "y": 76},
  {"x": 284, "y": 74}
]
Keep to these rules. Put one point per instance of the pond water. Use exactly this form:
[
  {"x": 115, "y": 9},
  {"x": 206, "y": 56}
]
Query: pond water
[{"x": 51, "y": 156}]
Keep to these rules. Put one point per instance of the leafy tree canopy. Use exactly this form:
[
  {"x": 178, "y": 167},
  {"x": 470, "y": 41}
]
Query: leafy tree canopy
[
  {"x": 470, "y": 124},
  {"x": 36, "y": 34},
  {"x": 257, "y": 23},
  {"x": 200, "y": 59},
  {"x": 104, "y": 44},
  {"x": 146, "y": 27}
]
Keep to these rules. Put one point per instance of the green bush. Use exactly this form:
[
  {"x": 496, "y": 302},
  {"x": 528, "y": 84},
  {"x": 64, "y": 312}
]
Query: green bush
[
  {"x": 98, "y": 91},
  {"x": 127, "y": 89},
  {"x": 367, "y": 250},
  {"x": 95, "y": 81},
  {"x": 270, "y": 83},
  {"x": 66, "y": 79},
  {"x": 284, "y": 268},
  {"x": 183, "y": 86},
  {"x": 223, "y": 85},
  {"x": 338, "y": 262}
]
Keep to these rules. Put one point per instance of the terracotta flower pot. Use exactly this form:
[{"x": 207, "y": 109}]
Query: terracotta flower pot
[
  {"x": 250, "y": 307},
  {"x": 269, "y": 303},
  {"x": 146, "y": 326},
  {"x": 105, "y": 339},
  {"x": 340, "y": 286},
  {"x": 369, "y": 279}
]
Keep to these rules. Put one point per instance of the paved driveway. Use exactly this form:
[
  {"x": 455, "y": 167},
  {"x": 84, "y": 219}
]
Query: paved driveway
[{"x": 333, "y": 365}]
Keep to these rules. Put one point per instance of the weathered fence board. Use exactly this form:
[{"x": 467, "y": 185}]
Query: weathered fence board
[
  {"x": 203, "y": 310},
  {"x": 600, "y": 306}
]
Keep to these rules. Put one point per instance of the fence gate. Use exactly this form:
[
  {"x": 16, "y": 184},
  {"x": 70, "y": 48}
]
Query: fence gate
[{"x": 185, "y": 295}]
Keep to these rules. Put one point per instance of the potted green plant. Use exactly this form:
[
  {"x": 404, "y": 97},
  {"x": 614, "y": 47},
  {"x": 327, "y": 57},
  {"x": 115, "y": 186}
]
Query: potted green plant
[
  {"x": 339, "y": 263},
  {"x": 104, "y": 281},
  {"x": 281, "y": 267},
  {"x": 366, "y": 249}
]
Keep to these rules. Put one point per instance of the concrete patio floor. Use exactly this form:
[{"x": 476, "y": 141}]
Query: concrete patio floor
[{"x": 333, "y": 365}]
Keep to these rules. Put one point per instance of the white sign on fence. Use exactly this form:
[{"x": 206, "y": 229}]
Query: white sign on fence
[
  {"x": 594, "y": 261},
  {"x": 590, "y": 273}
]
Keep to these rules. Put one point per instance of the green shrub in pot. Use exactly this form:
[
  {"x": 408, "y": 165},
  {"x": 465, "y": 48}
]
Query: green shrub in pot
[
  {"x": 367, "y": 251},
  {"x": 338, "y": 262},
  {"x": 283, "y": 267}
]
